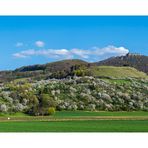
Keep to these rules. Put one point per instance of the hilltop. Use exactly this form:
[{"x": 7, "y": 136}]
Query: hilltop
[{"x": 140, "y": 62}]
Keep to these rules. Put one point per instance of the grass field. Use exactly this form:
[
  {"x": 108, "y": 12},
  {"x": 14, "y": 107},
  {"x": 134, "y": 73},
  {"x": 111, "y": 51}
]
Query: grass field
[
  {"x": 76, "y": 126},
  {"x": 76, "y": 121}
]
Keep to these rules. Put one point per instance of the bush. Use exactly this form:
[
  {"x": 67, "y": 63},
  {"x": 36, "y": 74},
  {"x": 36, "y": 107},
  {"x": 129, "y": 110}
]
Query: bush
[
  {"x": 19, "y": 107},
  {"x": 3, "y": 108},
  {"x": 51, "y": 110}
]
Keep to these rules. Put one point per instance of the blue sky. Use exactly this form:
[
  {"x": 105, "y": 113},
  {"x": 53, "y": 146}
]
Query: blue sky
[{"x": 27, "y": 40}]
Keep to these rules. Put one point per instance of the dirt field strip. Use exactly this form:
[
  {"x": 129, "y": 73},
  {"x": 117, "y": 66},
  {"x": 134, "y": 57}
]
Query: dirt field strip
[{"x": 78, "y": 118}]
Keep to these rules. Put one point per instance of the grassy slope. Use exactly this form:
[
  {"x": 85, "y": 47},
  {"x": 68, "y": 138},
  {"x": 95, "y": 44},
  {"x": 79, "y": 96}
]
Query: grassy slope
[{"x": 117, "y": 72}]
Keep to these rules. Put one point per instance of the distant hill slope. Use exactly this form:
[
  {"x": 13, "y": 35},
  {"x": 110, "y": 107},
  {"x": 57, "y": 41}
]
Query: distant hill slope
[
  {"x": 59, "y": 69},
  {"x": 117, "y": 72},
  {"x": 64, "y": 68},
  {"x": 139, "y": 62},
  {"x": 63, "y": 65}
]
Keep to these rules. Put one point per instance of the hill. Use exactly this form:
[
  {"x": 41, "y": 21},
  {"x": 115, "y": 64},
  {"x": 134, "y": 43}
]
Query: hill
[
  {"x": 89, "y": 88},
  {"x": 140, "y": 62},
  {"x": 64, "y": 68}
]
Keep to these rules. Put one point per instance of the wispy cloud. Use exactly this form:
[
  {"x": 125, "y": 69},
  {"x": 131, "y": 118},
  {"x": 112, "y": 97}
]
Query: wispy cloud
[
  {"x": 39, "y": 43},
  {"x": 19, "y": 44},
  {"x": 92, "y": 54}
]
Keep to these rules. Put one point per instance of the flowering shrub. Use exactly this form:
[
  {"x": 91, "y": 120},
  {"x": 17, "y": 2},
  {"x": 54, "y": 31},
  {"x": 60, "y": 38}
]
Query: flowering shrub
[
  {"x": 3, "y": 108},
  {"x": 78, "y": 93}
]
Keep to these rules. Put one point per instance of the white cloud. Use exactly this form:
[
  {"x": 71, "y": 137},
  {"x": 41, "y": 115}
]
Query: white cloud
[
  {"x": 19, "y": 44},
  {"x": 24, "y": 54},
  {"x": 18, "y": 55},
  {"x": 111, "y": 50},
  {"x": 39, "y": 43},
  {"x": 93, "y": 54},
  {"x": 81, "y": 53}
]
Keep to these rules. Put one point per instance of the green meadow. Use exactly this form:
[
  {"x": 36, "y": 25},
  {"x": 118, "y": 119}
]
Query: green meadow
[{"x": 76, "y": 121}]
